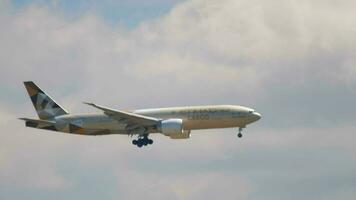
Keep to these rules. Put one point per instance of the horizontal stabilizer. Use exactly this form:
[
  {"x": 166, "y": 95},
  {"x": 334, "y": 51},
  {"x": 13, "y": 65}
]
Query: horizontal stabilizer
[{"x": 39, "y": 123}]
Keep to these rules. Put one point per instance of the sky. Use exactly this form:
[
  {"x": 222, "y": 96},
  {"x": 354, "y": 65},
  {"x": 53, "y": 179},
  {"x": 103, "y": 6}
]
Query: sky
[{"x": 292, "y": 61}]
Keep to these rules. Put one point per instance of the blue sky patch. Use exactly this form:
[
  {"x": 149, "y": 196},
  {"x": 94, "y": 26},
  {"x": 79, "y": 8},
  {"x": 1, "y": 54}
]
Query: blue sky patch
[{"x": 128, "y": 13}]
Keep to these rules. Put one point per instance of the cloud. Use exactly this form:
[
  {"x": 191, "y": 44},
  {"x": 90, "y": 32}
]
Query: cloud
[
  {"x": 293, "y": 61},
  {"x": 187, "y": 186},
  {"x": 22, "y": 162}
]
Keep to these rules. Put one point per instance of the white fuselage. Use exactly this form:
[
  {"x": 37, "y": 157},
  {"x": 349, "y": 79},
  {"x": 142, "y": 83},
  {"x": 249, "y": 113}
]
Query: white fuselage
[{"x": 194, "y": 117}]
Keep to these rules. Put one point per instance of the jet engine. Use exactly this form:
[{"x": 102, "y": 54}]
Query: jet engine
[
  {"x": 171, "y": 126},
  {"x": 174, "y": 129}
]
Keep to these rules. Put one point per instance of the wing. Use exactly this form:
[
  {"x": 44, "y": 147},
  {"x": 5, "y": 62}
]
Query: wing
[{"x": 133, "y": 121}]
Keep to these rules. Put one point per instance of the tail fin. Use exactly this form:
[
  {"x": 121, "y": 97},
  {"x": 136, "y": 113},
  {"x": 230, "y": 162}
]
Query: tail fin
[{"x": 45, "y": 106}]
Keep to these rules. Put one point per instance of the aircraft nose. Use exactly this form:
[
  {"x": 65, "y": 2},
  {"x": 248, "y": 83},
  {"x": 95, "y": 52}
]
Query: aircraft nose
[{"x": 257, "y": 116}]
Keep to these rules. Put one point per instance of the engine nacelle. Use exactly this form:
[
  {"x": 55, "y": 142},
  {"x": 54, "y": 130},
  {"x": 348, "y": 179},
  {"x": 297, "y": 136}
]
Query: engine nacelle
[
  {"x": 171, "y": 127},
  {"x": 184, "y": 135}
]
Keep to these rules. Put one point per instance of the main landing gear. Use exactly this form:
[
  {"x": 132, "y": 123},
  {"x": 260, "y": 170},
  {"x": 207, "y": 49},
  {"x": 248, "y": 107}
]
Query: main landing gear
[
  {"x": 142, "y": 140},
  {"x": 240, "y": 133}
]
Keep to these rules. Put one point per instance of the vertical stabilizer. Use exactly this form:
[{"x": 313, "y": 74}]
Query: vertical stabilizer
[{"x": 45, "y": 106}]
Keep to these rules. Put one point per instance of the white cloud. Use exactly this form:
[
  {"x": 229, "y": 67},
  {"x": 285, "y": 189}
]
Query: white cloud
[
  {"x": 291, "y": 60},
  {"x": 25, "y": 161},
  {"x": 210, "y": 185}
]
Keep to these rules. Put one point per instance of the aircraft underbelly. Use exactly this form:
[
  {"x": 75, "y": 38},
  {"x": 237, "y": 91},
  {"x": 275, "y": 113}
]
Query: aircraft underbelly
[{"x": 207, "y": 124}]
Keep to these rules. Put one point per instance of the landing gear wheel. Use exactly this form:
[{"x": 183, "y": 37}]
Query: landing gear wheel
[
  {"x": 139, "y": 144},
  {"x": 142, "y": 140},
  {"x": 240, "y": 133}
]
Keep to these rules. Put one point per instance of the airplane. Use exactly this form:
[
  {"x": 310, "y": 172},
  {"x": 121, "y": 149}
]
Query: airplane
[{"x": 174, "y": 122}]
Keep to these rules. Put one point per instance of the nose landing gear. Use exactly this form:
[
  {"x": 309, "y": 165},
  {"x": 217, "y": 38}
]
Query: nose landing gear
[
  {"x": 142, "y": 140},
  {"x": 240, "y": 133}
]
